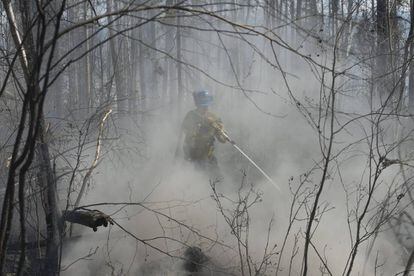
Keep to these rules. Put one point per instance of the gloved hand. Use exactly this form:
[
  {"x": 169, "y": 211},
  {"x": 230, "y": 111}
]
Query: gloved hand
[
  {"x": 221, "y": 134},
  {"x": 217, "y": 125}
]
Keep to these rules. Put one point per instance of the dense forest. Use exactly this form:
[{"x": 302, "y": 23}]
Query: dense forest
[{"x": 316, "y": 179}]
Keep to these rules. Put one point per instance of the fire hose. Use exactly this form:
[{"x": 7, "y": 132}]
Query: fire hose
[{"x": 249, "y": 159}]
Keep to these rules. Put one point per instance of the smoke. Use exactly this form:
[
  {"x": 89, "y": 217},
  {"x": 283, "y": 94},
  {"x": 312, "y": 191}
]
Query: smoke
[
  {"x": 270, "y": 126},
  {"x": 285, "y": 147}
]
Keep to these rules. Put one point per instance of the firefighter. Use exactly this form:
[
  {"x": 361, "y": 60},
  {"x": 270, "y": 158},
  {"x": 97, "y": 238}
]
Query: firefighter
[{"x": 201, "y": 128}]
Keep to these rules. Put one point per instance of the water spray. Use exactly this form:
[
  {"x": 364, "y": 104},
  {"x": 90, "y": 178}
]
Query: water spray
[{"x": 250, "y": 160}]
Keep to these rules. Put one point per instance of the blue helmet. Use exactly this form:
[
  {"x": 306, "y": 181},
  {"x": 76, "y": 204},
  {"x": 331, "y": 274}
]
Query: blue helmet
[{"x": 202, "y": 98}]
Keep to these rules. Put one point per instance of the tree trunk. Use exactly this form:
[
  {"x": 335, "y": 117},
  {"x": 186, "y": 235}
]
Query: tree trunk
[
  {"x": 83, "y": 68},
  {"x": 298, "y": 9},
  {"x": 180, "y": 89},
  {"x": 314, "y": 9},
  {"x": 382, "y": 46},
  {"x": 53, "y": 214},
  {"x": 142, "y": 71},
  {"x": 133, "y": 82},
  {"x": 87, "y": 65},
  {"x": 169, "y": 44},
  {"x": 72, "y": 77},
  {"x": 150, "y": 28},
  {"x": 32, "y": 125},
  {"x": 117, "y": 64},
  {"x": 411, "y": 69}
]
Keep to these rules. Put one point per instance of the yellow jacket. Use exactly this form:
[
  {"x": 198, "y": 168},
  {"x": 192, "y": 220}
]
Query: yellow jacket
[{"x": 201, "y": 130}]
